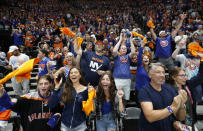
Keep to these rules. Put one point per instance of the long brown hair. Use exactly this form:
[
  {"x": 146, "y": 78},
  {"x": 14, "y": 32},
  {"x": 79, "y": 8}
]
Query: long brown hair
[
  {"x": 172, "y": 74},
  {"x": 100, "y": 93},
  {"x": 68, "y": 91}
]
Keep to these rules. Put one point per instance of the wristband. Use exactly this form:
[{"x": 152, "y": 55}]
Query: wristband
[{"x": 169, "y": 109}]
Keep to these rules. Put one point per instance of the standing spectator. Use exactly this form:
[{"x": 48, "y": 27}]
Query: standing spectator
[
  {"x": 17, "y": 37},
  {"x": 199, "y": 31},
  {"x": 163, "y": 44},
  {"x": 107, "y": 105},
  {"x": 15, "y": 61},
  {"x": 181, "y": 38},
  {"x": 33, "y": 107},
  {"x": 191, "y": 66},
  {"x": 43, "y": 67},
  {"x": 143, "y": 61},
  {"x": 160, "y": 103},
  {"x": 94, "y": 63},
  {"x": 71, "y": 94},
  {"x": 122, "y": 61}
]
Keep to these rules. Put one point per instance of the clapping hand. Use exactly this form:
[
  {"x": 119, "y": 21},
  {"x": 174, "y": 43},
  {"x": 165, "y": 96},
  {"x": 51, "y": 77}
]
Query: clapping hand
[
  {"x": 176, "y": 103},
  {"x": 183, "y": 95}
]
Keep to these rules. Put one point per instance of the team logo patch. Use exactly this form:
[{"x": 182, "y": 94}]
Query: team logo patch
[
  {"x": 123, "y": 59},
  {"x": 164, "y": 43}
]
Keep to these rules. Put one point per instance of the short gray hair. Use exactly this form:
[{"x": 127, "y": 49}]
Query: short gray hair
[{"x": 152, "y": 66}]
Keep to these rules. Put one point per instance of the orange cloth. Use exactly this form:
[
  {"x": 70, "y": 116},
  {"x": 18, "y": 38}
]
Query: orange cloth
[
  {"x": 150, "y": 23},
  {"x": 5, "y": 115},
  {"x": 147, "y": 54},
  {"x": 23, "y": 71},
  {"x": 88, "y": 106},
  {"x": 67, "y": 31},
  {"x": 28, "y": 40},
  {"x": 60, "y": 45},
  {"x": 80, "y": 40},
  {"x": 139, "y": 35},
  {"x": 193, "y": 48}
]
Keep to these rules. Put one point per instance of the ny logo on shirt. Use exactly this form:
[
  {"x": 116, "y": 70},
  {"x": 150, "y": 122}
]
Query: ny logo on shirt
[{"x": 94, "y": 66}]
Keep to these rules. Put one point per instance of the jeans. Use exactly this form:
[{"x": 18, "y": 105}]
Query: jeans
[
  {"x": 107, "y": 123},
  {"x": 20, "y": 88},
  {"x": 81, "y": 127}
]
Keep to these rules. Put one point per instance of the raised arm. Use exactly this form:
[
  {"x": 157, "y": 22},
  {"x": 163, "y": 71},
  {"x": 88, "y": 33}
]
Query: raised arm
[
  {"x": 176, "y": 51},
  {"x": 115, "y": 49},
  {"x": 174, "y": 32},
  {"x": 153, "y": 34},
  {"x": 132, "y": 47},
  {"x": 77, "y": 49}
]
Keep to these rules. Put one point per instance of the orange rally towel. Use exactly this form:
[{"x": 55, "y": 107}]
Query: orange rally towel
[
  {"x": 135, "y": 34},
  {"x": 150, "y": 23},
  {"x": 194, "y": 47},
  {"x": 80, "y": 40},
  {"x": 67, "y": 31},
  {"x": 23, "y": 71},
  {"x": 88, "y": 106}
]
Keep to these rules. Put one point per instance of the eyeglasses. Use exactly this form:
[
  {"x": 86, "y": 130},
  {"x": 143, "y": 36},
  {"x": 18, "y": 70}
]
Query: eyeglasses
[{"x": 182, "y": 75}]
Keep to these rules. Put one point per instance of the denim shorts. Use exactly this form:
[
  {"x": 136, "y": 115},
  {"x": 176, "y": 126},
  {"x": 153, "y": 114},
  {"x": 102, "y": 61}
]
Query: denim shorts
[
  {"x": 106, "y": 123},
  {"x": 81, "y": 127}
]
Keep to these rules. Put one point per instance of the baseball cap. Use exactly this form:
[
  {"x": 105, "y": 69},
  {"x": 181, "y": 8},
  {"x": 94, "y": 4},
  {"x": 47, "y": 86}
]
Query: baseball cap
[
  {"x": 162, "y": 31},
  {"x": 12, "y": 48}
]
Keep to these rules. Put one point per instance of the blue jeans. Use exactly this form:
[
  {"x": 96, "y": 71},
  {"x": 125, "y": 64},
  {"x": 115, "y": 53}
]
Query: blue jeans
[
  {"x": 106, "y": 123},
  {"x": 81, "y": 127}
]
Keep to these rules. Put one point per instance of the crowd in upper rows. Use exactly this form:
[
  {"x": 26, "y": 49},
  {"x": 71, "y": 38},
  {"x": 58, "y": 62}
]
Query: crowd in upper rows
[{"x": 117, "y": 40}]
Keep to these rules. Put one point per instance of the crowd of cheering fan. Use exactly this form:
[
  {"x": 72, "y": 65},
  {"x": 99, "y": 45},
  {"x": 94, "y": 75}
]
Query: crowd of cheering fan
[{"x": 120, "y": 52}]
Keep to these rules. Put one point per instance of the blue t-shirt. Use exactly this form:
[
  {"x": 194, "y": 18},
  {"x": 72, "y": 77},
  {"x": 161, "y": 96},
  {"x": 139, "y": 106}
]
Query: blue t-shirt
[
  {"x": 160, "y": 100},
  {"x": 90, "y": 63},
  {"x": 42, "y": 67},
  {"x": 122, "y": 67},
  {"x": 163, "y": 47},
  {"x": 142, "y": 77},
  {"x": 106, "y": 108},
  {"x": 18, "y": 39}
]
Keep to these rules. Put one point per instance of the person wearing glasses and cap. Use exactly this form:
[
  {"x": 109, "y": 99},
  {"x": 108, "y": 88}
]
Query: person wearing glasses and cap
[
  {"x": 20, "y": 86},
  {"x": 163, "y": 44}
]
